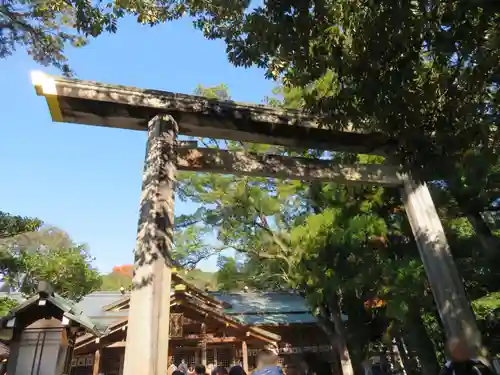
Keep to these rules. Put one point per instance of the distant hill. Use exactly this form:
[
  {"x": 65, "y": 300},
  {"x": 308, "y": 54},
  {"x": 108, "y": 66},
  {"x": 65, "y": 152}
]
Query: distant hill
[{"x": 122, "y": 276}]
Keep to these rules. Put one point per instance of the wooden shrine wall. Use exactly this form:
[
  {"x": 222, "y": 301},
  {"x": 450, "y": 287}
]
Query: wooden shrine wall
[{"x": 296, "y": 339}]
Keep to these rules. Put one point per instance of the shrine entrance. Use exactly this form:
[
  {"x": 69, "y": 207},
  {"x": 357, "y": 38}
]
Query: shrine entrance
[
  {"x": 199, "y": 332},
  {"x": 164, "y": 115}
]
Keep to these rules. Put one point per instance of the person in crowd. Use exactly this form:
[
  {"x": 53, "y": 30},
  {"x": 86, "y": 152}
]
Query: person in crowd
[
  {"x": 200, "y": 369},
  {"x": 177, "y": 372},
  {"x": 237, "y": 370},
  {"x": 219, "y": 370},
  {"x": 210, "y": 367},
  {"x": 267, "y": 363},
  {"x": 191, "y": 370},
  {"x": 172, "y": 367},
  {"x": 378, "y": 367},
  {"x": 3, "y": 367},
  {"x": 183, "y": 367},
  {"x": 367, "y": 366},
  {"x": 293, "y": 369},
  {"x": 462, "y": 362}
]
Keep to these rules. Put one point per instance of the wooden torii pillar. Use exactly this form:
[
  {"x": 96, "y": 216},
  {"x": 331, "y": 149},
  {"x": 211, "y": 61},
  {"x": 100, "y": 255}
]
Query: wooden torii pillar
[
  {"x": 146, "y": 349},
  {"x": 447, "y": 287}
]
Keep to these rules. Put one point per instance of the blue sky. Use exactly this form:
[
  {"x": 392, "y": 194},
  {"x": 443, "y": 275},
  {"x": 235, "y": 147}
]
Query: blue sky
[{"x": 86, "y": 180}]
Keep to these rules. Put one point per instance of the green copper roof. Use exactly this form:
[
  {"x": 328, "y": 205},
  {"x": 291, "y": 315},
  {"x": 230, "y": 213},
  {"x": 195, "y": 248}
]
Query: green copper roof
[
  {"x": 272, "y": 302},
  {"x": 276, "y": 319},
  {"x": 273, "y": 308},
  {"x": 67, "y": 307}
]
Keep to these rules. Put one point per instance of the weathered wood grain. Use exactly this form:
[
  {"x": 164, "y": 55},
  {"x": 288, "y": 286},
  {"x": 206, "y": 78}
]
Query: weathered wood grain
[
  {"x": 93, "y": 103},
  {"x": 260, "y": 165},
  {"x": 446, "y": 284}
]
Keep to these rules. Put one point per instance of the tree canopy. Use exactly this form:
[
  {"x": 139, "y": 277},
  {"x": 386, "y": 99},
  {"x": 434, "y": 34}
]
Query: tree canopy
[
  {"x": 346, "y": 249},
  {"x": 423, "y": 73},
  {"x": 32, "y": 253},
  {"x": 12, "y": 225},
  {"x": 46, "y": 28},
  {"x": 229, "y": 276},
  {"x": 121, "y": 276}
]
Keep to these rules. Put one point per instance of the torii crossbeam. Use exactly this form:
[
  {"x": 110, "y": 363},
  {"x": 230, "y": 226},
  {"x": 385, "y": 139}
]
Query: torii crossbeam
[{"x": 164, "y": 115}]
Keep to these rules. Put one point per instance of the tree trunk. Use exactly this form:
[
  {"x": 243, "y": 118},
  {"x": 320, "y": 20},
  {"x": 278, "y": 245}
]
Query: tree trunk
[
  {"x": 357, "y": 334},
  {"x": 335, "y": 330},
  {"x": 420, "y": 344},
  {"x": 471, "y": 210},
  {"x": 343, "y": 350},
  {"x": 488, "y": 241}
]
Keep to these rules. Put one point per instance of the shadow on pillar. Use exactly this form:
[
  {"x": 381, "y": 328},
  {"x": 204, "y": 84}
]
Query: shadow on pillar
[{"x": 446, "y": 283}]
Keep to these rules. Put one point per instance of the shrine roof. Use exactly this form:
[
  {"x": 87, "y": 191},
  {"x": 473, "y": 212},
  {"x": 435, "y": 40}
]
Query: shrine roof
[
  {"x": 276, "y": 319},
  {"x": 260, "y": 302},
  {"x": 94, "y": 303},
  {"x": 271, "y": 308},
  {"x": 91, "y": 306},
  {"x": 189, "y": 303},
  {"x": 66, "y": 307},
  {"x": 250, "y": 308},
  {"x": 253, "y": 308}
]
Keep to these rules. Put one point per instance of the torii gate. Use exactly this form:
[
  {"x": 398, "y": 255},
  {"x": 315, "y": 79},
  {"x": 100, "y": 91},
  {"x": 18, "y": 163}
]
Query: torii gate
[{"x": 165, "y": 115}]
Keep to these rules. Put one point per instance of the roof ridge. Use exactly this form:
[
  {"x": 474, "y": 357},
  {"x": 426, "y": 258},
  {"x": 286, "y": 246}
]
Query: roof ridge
[
  {"x": 291, "y": 293},
  {"x": 97, "y": 292}
]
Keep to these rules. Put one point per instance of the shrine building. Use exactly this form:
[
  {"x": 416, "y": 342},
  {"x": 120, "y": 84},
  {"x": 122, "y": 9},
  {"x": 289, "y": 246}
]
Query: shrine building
[{"x": 205, "y": 327}]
